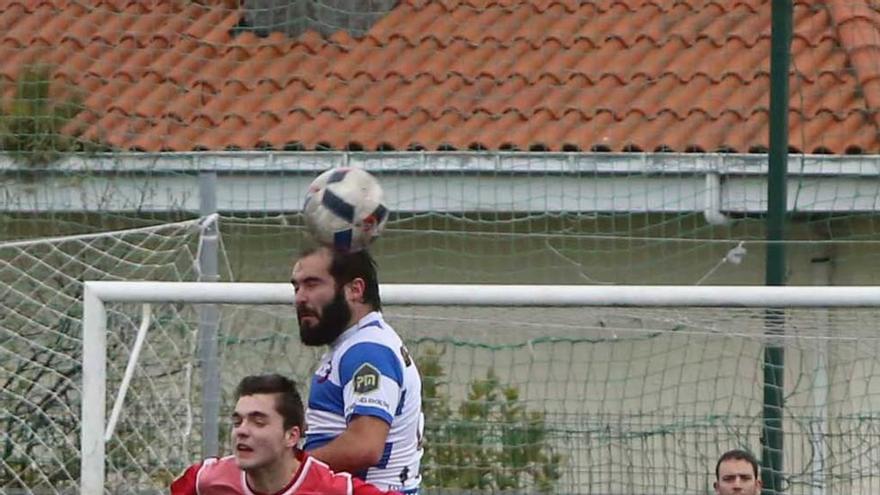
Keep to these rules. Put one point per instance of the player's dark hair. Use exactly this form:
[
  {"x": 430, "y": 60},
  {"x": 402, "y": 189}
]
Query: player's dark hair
[
  {"x": 288, "y": 402},
  {"x": 737, "y": 455},
  {"x": 346, "y": 266}
]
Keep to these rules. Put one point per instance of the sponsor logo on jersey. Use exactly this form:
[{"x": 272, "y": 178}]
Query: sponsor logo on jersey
[{"x": 366, "y": 379}]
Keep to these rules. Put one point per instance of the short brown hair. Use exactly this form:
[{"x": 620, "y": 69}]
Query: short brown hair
[
  {"x": 347, "y": 266},
  {"x": 737, "y": 455},
  {"x": 288, "y": 403}
]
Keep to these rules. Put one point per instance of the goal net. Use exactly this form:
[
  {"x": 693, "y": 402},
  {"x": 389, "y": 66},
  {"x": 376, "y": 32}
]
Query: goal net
[
  {"x": 41, "y": 286},
  {"x": 558, "y": 389}
]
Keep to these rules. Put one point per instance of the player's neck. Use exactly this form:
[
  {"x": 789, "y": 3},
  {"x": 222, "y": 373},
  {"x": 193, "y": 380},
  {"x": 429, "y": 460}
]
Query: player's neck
[
  {"x": 275, "y": 477},
  {"x": 358, "y": 312}
]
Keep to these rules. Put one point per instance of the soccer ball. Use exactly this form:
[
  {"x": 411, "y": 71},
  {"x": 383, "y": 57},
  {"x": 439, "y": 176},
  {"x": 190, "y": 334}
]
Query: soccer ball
[{"x": 344, "y": 210}]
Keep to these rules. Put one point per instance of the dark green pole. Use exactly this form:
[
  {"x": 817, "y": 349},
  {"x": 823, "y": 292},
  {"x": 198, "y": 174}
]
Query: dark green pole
[{"x": 774, "y": 354}]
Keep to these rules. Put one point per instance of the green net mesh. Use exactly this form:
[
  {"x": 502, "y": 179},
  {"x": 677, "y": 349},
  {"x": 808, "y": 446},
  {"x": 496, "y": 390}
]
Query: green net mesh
[{"x": 559, "y": 400}]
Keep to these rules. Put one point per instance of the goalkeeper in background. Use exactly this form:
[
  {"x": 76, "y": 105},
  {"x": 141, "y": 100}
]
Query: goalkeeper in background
[
  {"x": 737, "y": 473},
  {"x": 365, "y": 400},
  {"x": 266, "y": 426}
]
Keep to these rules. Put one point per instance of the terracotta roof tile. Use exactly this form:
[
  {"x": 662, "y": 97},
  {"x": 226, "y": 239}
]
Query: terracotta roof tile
[
  {"x": 859, "y": 30},
  {"x": 482, "y": 74}
]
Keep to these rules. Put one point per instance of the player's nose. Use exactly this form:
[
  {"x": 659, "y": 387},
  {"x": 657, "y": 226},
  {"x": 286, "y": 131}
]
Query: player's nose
[{"x": 299, "y": 297}]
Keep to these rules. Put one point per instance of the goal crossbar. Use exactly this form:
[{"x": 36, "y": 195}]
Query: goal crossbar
[
  {"x": 96, "y": 294},
  {"x": 504, "y": 295}
]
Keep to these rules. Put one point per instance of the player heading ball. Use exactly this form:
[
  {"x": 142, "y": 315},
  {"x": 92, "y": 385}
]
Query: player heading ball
[{"x": 365, "y": 406}]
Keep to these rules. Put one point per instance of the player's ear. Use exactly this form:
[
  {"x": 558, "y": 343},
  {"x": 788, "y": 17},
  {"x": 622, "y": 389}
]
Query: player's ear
[
  {"x": 293, "y": 435},
  {"x": 355, "y": 290}
]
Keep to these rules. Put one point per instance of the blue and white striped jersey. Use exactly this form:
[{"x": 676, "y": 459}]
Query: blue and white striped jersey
[{"x": 368, "y": 371}]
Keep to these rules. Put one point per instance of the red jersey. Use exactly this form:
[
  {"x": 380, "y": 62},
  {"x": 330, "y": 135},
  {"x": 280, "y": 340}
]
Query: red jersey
[{"x": 223, "y": 477}]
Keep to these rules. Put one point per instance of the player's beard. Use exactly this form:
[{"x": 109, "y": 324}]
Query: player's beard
[{"x": 333, "y": 320}]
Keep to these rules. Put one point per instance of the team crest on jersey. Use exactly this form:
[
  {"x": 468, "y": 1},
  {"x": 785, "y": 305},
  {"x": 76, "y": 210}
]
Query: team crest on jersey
[
  {"x": 366, "y": 379},
  {"x": 324, "y": 372}
]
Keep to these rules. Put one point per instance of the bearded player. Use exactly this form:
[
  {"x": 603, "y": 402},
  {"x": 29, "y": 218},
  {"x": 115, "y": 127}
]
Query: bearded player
[{"x": 365, "y": 405}]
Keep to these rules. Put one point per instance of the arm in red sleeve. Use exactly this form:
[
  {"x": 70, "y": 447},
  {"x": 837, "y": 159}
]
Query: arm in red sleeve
[{"x": 186, "y": 483}]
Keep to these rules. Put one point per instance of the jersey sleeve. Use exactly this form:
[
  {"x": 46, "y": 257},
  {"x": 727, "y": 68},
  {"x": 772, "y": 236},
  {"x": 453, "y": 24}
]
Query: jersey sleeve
[
  {"x": 186, "y": 483},
  {"x": 371, "y": 377},
  {"x": 360, "y": 487}
]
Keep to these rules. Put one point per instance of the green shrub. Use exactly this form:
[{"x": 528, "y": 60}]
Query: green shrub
[
  {"x": 489, "y": 442},
  {"x": 31, "y": 122}
]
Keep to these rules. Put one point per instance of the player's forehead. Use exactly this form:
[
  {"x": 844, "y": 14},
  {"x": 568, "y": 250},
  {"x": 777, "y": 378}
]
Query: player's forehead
[
  {"x": 316, "y": 264},
  {"x": 257, "y": 404},
  {"x": 738, "y": 467}
]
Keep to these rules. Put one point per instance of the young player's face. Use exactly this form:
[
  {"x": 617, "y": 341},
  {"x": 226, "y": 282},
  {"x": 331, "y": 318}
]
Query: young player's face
[
  {"x": 321, "y": 307},
  {"x": 736, "y": 476},
  {"x": 258, "y": 435}
]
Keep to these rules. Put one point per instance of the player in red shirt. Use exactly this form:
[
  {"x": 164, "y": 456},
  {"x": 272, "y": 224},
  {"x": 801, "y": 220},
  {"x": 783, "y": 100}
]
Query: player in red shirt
[{"x": 267, "y": 425}]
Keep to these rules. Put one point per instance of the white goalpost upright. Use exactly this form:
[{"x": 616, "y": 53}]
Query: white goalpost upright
[{"x": 94, "y": 431}]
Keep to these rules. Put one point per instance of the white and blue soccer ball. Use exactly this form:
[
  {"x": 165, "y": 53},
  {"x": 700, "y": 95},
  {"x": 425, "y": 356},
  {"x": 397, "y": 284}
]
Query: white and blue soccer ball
[{"x": 344, "y": 210}]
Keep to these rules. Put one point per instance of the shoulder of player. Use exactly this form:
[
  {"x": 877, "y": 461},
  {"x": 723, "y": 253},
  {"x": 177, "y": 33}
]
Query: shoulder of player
[
  {"x": 369, "y": 349},
  {"x": 313, "y": 462},
  {"x": 318, "y": 473},
  {"x": 369, "y": 338},
  {"x": 219, "y": 463},
  {"x": 207, "y": 472},
  {"x": 321, "y": 473},
  {"x": 376, "y": 330}
]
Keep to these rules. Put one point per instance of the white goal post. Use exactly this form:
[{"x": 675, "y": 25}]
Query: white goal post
[{"x": 97, "y": 293}]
